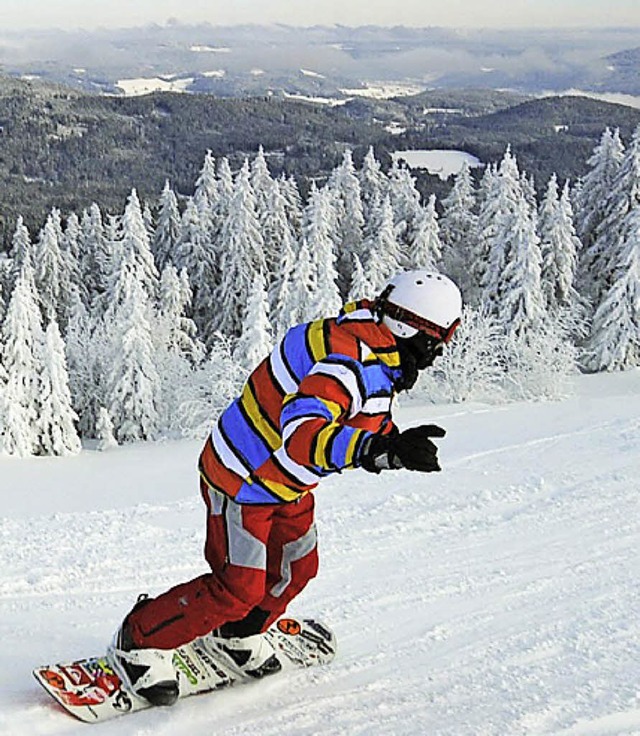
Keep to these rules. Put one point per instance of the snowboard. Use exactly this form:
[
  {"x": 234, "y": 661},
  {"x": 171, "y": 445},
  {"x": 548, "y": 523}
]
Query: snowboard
[{"x": 90, "y": 690}]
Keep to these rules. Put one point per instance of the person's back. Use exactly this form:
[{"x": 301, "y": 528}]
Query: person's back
[{"x": 333, "y": 373}]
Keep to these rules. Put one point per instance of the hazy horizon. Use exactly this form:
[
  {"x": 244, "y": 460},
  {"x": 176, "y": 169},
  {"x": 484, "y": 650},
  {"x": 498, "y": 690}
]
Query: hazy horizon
[{"x": 24, "y": 15}]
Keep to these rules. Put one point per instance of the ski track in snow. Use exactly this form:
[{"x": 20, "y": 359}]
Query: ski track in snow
[{"x": 499, "y": 597}]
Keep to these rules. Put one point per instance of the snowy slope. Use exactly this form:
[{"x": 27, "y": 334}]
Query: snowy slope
[{"x": 499, "y": 597}]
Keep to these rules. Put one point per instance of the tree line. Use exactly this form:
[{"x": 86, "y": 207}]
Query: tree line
[{"x": 119, "y": 328}]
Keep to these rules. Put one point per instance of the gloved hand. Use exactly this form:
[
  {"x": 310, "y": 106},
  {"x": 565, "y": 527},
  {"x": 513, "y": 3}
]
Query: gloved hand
[{"x": 411, "y": 449}]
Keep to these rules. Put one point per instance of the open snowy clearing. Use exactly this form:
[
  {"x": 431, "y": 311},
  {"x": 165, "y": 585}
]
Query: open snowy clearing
[{"x": 498, "y": 597}]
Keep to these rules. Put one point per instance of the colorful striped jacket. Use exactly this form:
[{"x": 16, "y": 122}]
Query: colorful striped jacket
[{"x": 305, "y": 410}]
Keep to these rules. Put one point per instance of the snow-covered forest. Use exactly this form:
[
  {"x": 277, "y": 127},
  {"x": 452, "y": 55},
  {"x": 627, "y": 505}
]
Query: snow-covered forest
[{"x": 139, "y": 325}]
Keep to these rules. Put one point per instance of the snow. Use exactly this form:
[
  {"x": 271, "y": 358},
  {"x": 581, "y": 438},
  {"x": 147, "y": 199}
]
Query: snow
[
  {"x": 442, "y": 163},
  {"x": 204, "y": 49},
  {"x": 385, "y": 90},
  {"x": 498, "y": 597},
  {"x": 330, "y": 101},
  {"x": 146, "y": 85},
  {"x": 309, "y": 73}
]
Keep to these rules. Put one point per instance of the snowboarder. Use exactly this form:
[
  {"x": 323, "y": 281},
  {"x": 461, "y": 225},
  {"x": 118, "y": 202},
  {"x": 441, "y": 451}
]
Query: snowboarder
[{"x": 319, "y": 403}]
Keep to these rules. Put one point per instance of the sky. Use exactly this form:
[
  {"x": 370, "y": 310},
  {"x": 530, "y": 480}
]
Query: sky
[{"x": 90, "y": 14}]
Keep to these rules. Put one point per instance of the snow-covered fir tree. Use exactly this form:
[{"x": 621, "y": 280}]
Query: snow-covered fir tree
[
  {"x": 405, "y": 201},
  {"x": 593, "y": 192},
  {"x": 293, "y": 305},
  {"x": 256, "y": 340},
  {"x": 167, "y": 230},
  {"x": 360, "y": 287},
  {"x": 373, "y": 183},
  {"x": 194, "y": 254},
  {"x": 22, "y": 364},
  {"x": 53, "y": 271},
  {"x": 614, "y": 342},
  {"x": 349, "y": 216},
  {"x": 242, "y": 249},
  {"x": 136, "y": 244},
  {"x": 318, "y": 233},
  {"x": 104, "y": 431},
  {"x": 276, "y": 230},
  {"x": 57, "y": 434},
  {"x": 133, "y": 383},
  {"x": 94, "y": 255},
  {"x": 520, "y": 304},
  {"x": 180, "y": 334},
  {"x": 261, "y": 183},
  {"x": 21, "y": 250},
  {"x": 383, "y": 256},
  {"x": 459, "y": 232},
  {"x": 280, "y": 290},
  {"x": 425, "y": 245},
  {"x": 559, "y": 246},
  {"x": 623, "y": 197},
  {"x": 291, "y": 194}
]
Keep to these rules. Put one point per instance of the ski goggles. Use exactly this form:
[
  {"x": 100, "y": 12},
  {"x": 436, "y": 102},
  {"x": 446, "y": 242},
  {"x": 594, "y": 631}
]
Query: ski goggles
[{"x": 407, "y": 317}]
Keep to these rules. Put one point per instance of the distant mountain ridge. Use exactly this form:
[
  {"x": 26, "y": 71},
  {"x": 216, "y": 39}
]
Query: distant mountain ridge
[{"x": 254, "y": 60}]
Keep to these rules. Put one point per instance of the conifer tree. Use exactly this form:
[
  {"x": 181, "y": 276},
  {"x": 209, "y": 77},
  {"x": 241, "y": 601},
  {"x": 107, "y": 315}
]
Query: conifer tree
[
  {"x": 520, "y": 303},
  {"x": 94, "y": 256},
  {"x": 104, "y": 431},
  {"x": 242, "y": 249},
  {"x": 276, "y": 230},
  {"x": 261, "y": 183},
  {"x": 459, "y": 232},
  {"x": 504, "y": 206},
  {"x": 291, "y": 193},
  {"x": 137, "y": 245},
  {"x": 317, "y": 234},
  {"x": 53, "y": 271},
  {"x": 345, "y": 188},
  {"x": 22, "y": 365},
  {"x": 87, "y": 358},
  {"x": 293, "y": 307},
  {"x": 21, "y": 250},
  {"x": 360, "y": 287},
  {"x": 559, "y": 245},
  {"x": 405, "y": 201},
  {"x": 383, "y": 252},
  {"x": 256, "y": 340},
  {"x": 594, "y": 189},
  {"x": 373, "y": 183},
  {"x": 195, "y": 254},
  {"x": 180, "y": 332},
  {"x": 614, "y": 342},
  {"x": 133, "y": 384},
  {"x": 280, "y": 291},
  {"x": 167, "y": 231},
  {"x": 610, "y": 233},
  {"x": 57, "y": 434},
  {"x": 425, "y": 246}
]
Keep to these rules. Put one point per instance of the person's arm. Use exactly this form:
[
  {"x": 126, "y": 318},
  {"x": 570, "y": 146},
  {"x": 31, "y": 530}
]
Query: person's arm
[{"x": 313, "y": 418}]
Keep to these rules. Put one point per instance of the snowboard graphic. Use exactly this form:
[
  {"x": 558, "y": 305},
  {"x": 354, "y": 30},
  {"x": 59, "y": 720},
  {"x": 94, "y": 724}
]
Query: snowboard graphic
[{"x": 90, "y": 690}]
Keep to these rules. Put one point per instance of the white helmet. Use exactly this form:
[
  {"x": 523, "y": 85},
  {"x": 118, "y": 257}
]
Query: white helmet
[{"x": 421, "y": 301}]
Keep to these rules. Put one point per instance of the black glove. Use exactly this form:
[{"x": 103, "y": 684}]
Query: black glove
[{"x": 411, "y": 449}]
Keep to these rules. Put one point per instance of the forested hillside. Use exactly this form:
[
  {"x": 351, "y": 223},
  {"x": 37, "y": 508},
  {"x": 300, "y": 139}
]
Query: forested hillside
[
  {"x": 140, "y": 324},
  {"x": 65, "y": 149}
]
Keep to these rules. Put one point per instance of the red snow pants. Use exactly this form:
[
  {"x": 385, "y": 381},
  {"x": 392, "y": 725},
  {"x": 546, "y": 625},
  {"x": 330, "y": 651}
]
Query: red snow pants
[{"x": 259, "y": 556}]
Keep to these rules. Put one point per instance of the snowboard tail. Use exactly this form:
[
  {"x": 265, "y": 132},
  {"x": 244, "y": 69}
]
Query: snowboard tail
[{"x": 91, "y": 690}]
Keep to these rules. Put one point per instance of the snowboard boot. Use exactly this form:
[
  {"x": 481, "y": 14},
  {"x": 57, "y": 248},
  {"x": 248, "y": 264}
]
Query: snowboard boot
[
  {"x": 252, "y": 655},
  {"x": 148, "y": 672}
]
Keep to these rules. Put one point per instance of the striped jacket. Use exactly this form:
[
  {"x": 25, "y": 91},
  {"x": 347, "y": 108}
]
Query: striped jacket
[{"x": 305, "y": 410}]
